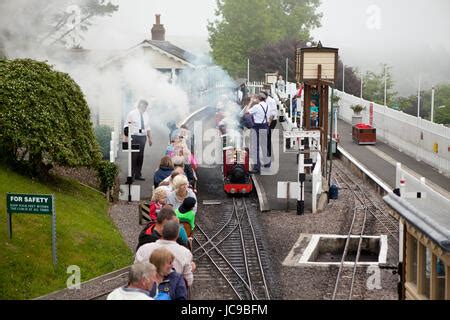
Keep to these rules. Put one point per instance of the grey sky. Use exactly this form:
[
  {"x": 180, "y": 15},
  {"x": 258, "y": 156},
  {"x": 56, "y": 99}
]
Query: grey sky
[{"x": 406, "y": 34}]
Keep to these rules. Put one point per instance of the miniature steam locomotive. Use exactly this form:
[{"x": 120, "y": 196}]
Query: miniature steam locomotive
[{"x": 236, "y": 158}]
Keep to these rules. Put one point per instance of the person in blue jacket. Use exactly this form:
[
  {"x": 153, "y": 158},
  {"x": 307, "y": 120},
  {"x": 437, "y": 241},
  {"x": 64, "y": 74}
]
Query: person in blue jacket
[
  {"x": 171, "y": 284},
  {"x": 165, "y": 170}
]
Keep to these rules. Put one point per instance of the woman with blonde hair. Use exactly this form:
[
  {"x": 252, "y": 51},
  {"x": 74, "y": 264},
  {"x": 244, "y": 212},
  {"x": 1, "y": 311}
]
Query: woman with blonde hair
[
  {"x": 172, "y": 285},
  {"x": 158, "y": 201},
  {"x": 181, "y": 192}
]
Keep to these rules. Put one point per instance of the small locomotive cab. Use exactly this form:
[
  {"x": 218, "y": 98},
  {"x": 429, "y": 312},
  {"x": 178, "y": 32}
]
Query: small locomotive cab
[{"x": 236, "y": 171}]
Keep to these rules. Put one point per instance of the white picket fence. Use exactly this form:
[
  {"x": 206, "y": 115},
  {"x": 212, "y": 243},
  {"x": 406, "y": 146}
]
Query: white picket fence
[
  {"x": 255, "y": 87},
  {"x": 414, "y": 136}
]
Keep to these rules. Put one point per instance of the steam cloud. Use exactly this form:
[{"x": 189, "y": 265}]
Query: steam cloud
[{"x": 111, "y": 82}]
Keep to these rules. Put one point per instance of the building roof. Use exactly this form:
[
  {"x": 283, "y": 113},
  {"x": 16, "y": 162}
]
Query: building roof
[
  {"x": 432, "y": 221},
  {"x": 173, "y": 50}
]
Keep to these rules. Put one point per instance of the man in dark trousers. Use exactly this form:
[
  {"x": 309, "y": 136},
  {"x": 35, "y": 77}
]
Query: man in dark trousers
[
  {"x": 137, "y": 125},
  {"x": 273, "y": 120},
  {"x": 259, "y": 132}
]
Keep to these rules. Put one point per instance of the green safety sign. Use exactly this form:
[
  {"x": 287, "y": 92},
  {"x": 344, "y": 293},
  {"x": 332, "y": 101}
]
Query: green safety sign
[
  {"x": 32, "y": 204},
  {"x": 29, "y": 204}
]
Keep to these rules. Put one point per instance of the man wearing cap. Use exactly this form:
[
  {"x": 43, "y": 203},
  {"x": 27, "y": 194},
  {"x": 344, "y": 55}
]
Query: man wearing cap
[
  {"x": 259, "y": 134},
  {"x": 138, "y": 126}
]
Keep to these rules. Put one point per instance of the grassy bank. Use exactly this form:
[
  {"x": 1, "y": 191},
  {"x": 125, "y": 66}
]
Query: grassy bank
[{"x": 86, "y": 237}]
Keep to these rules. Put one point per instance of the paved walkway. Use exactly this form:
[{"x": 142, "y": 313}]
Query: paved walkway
[{"x": 381, "y": 159}]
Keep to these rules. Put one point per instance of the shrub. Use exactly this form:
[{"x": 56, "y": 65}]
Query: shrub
[
  {"x": 44, "y": 118},
  {"x": 107, "y": 173},
  {"x": 103, "y": 135}
]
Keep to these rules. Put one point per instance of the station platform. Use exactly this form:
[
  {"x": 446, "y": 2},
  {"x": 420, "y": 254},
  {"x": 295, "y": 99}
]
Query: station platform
[
  {"x": 381, "y": 160},
  {"x": 284, "y": 168}
]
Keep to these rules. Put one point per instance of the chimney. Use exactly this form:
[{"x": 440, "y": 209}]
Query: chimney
[{"x": 158, "y": 31}]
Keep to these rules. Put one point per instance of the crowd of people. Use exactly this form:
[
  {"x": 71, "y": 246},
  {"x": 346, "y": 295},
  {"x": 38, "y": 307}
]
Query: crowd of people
[{"x": 163, "y": 267}]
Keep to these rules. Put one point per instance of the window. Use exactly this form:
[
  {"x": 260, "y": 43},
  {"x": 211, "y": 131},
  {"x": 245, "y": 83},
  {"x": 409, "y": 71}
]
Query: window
[
  {"x": 440, "y": 272},
  {"x": 427, "y": 273},
  {"x": 412, "y": 260}
]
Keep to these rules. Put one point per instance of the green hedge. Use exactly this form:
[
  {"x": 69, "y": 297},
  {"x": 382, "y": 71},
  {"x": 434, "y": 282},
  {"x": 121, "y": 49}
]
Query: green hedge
[{"x": 44, "y": 118}]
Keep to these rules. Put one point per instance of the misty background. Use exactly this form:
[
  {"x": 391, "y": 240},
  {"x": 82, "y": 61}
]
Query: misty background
[{"x": 410, "y": 36}]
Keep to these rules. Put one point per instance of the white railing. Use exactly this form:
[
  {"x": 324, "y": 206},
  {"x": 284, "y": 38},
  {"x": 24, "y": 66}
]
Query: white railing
[
  {"x": 316, "y": 182},
  {"x": 255, "y": 87},
  {"x": 417, "y": 137}
]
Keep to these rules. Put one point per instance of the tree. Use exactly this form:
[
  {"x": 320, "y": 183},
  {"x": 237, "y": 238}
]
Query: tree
[
  {"x": 373, "y": 86},
  {"x": 27, "y": 23},
  {"x": 442, "y": 104},
  {"x": 441, "y": 109},
  {"x": 244, "y": 26},
  {"x": 272, "y": 58},
  {"x": 44, "y": 118},
  {"x": 442, "y": 115},
  {"x": 352, "y": 80}
]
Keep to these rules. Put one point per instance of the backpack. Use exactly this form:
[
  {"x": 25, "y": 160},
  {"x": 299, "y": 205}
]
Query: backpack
[
  {"x": 146, "y": 235},
  {"x": 248, "y": 121}
]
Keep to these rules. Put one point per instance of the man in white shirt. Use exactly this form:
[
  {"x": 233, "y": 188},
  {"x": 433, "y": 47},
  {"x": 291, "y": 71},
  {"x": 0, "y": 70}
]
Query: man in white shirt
[
  {"x": 183, "y": 257},
  {"x": 137, "y": 125},
  {"x": 141, "y": 279},
  {"x": 273, "y": 120},
  {"x": 259, "y": 133}
]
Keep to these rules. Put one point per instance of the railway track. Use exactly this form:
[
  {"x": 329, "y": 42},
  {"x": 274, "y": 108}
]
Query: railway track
[
  {"x": 384, "y": 218},
  {"x": 363, "y": 208},
  {"x": 345, "y": 280},
  {"x": 232, "y": 253}
]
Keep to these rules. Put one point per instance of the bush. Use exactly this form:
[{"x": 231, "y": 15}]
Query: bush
[
  {"x": 103, "y": 135},
  {"x": 107, "y": 173},
  {"x": 44, "y": 118}
]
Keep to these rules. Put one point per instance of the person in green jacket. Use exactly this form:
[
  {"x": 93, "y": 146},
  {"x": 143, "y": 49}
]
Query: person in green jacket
[{"x": 186, "y": 213}]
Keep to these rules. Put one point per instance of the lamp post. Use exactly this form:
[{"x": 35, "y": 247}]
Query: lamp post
[
  {"x": 343, "y": 78},
  {"x": 287, "y": 73},
  {"x": 385, "y": 85},
  {"x": 361, "y": 85},
  {"x": 418, "y": 96},
  {"x": 248, "y": 71},
  {"x": 432, "y": 104}
]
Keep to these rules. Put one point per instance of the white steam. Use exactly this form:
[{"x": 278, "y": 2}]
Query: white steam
[{"x": 112, "y": 81}]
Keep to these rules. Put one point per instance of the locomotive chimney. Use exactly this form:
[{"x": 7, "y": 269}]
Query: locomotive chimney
[{"x": 158, "y": 30}]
